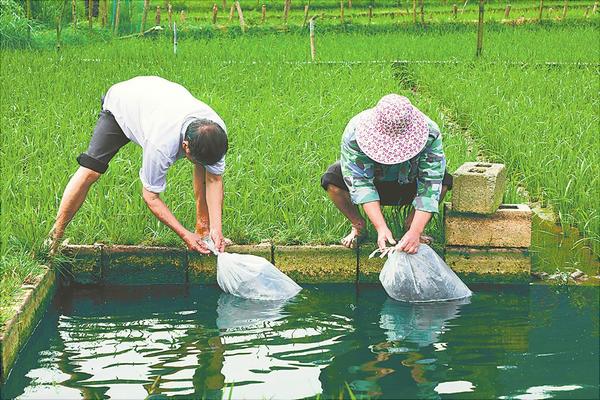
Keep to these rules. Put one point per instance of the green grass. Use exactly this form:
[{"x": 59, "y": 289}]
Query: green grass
[
  {"x": 286, "y": 118},
  {"x": 542, "y": 122},
  {"x": 16, "y": 266}
]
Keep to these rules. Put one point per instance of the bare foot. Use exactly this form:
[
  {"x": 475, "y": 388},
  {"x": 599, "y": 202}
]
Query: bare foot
[
  {"x": 426, "y": 239},
  {"x": 356, "y": 233}
]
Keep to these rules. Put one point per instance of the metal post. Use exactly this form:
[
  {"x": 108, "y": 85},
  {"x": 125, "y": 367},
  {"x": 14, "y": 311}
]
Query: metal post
[{"x": 480, "y": 29}]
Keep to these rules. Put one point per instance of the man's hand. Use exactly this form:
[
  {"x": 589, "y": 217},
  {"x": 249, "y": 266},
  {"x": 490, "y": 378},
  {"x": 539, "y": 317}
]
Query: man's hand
[
  {"x": 410, "y": 242},
  {"x": 218, "y": 240},
  {"x": 384, "y": 235},
  {"x": 194, "y": 242}
]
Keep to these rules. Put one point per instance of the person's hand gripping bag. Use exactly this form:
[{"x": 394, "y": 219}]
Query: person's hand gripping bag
[
  {"x": 252, "y": 277},
  {"x": 420, "y": 277}
]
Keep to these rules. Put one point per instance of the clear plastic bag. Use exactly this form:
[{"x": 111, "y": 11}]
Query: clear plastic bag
[
  {"x": 252, "y": 277},
  {"x": 421, "y": 277}
]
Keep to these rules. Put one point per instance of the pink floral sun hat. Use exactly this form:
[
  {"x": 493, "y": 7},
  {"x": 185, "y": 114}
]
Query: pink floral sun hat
[{"x": 393, "y": 131}]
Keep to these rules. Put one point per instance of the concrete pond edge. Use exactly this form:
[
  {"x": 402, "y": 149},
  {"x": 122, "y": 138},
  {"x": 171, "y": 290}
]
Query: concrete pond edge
[
  {"x": 108, "y": 265},
  {"x": 101, "y": 264},
  {"x": 27, "y": 312}
]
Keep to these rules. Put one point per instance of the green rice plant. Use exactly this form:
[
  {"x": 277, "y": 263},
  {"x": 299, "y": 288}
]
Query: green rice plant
[
  {"x": 286, "y": 118},
  {"x": 542, "y": 122}
]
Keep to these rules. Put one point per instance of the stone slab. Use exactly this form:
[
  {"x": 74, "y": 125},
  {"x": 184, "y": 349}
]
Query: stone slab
[
  {"x": 510, "y": 226},
  {"x": 28, "y": 311},
  {"x": 490, "y": 265},
  {"x": 478, "y": 187},
  {"x": 316, "y": 264},
  {"x": 144, "y": 265}
]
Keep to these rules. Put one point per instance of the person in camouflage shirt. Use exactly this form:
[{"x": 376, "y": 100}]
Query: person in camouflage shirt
[{"x": 391, "y": 154}]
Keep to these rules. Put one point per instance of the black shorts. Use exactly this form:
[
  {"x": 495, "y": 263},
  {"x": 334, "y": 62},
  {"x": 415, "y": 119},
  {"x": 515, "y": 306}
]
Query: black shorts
[
  {"x": 390, "y": 193},
  {"x": 107, "y": 139}
]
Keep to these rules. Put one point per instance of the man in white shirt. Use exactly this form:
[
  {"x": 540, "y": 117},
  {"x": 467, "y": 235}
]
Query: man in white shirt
[{"x": 168, "y": 123}]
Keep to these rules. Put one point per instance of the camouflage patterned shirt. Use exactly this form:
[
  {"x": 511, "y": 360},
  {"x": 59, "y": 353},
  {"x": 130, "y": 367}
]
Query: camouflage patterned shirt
[{"x": 427, "y": 168}]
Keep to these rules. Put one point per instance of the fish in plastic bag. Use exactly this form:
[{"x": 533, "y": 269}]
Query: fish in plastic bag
[
  {"x": 420, "y": 277},
  {"x": 252, "y": 277}
]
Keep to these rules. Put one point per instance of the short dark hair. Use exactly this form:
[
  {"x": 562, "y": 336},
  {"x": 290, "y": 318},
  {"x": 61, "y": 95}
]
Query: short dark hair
[{"x": 207, "y": 141}]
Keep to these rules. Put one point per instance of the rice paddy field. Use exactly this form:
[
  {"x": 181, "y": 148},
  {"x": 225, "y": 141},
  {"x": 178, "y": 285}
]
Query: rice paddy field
[{"x": 531, "y": 101}]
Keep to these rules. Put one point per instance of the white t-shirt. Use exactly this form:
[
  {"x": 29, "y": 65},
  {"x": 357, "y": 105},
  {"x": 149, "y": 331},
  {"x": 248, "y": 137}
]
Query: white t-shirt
[{"x": 154, "y": 113}]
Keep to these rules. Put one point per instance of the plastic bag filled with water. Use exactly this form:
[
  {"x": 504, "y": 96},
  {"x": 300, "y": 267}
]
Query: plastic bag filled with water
[
  {"x": 421, "y": 277},
  {"x": 252, "y": 277}
]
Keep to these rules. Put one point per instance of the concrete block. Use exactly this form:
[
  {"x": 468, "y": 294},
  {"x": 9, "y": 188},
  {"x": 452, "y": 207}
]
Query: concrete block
[
  {"x": 144, "y": 265},
  {"x": 87, "y": 266},
  {"x": 489, "y": 265},
  {"x": 478, "y": 187},
  {"x": 317, "y": 264},
  {"x": 510, "y": 226},
  {"x": 203, "y": 269}
]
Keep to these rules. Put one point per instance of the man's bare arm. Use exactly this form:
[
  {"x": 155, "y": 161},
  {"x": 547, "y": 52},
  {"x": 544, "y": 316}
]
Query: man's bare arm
[
  {"x": 162, "y": 212},
  {"x": 214, "y": 200},
  {"x": 202, "y": 217}
]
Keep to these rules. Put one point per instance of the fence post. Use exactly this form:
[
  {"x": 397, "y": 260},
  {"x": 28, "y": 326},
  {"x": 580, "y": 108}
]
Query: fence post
[
  {"x": 241, "y": 16},
  {"x": 104, "y": 13},
  {"x": 264, "y": 13},
  {"x": 170, "y": 14},
  {"x": 305, "y": 15},
  {"x": 157, "y": 18},
  {"x": 349, "y": 4},
  {"x": 541, "y": 10},
  {"x": 480, "y": 29},
  {"x": 313, "y": 50},
  {"x": 174, "y": 38},
  {"x": 286, "y": 9},
  {"x": 117, "y": 12},
  {"x": 144, "y": 16},
  {"x": 507, "y": 11},
  {"x": 74, "y": 13},
  {"x": 90, "y": 12},
  {"x": 342, "y": 11},
  {"x": 215, "y": 11},
  {"x": 370, "y": 13}
]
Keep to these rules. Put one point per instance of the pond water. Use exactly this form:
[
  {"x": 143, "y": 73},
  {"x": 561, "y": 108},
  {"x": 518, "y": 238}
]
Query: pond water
[{"x": 522, "y": 342}]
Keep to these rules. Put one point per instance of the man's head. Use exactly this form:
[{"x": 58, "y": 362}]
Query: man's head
[{"x": 205, "y": 142}]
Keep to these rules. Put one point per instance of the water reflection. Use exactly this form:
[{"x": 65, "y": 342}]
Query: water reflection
[
  {"x": 264, "y": 352},
  {"x": 395, "y": 349},
  {"x": 509, "y": 341},
  {"x": 420, "y": 324}
]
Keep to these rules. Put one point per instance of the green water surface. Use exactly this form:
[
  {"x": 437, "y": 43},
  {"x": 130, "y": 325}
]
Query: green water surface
[{"x": 523, "y": 342}]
